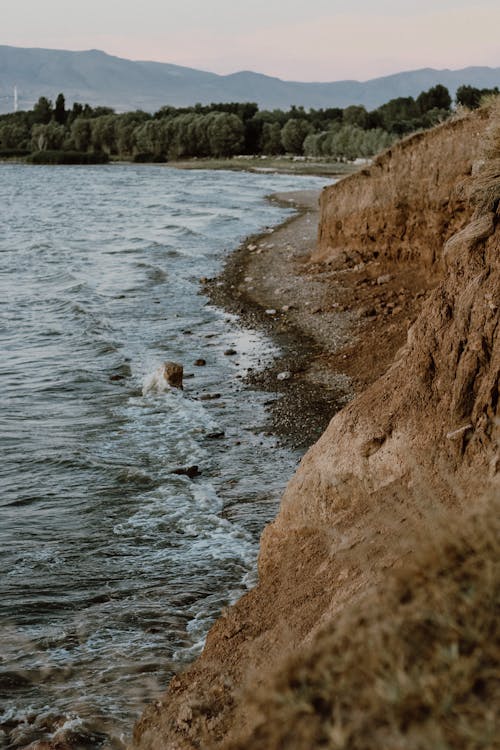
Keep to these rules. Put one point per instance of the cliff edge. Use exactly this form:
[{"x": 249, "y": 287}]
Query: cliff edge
[{"x": 419, "y": 444}]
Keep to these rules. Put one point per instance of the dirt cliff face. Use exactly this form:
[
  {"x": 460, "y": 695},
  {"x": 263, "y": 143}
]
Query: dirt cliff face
[
  {"x": 411, "y": 665},
  {"x": 409, "y": 202},
  {"x": 422, "y": 439}
]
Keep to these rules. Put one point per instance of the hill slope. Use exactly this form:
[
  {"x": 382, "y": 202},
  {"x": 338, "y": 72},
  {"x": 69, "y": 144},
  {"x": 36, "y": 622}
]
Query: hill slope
[{"x": 100, "y": 79}]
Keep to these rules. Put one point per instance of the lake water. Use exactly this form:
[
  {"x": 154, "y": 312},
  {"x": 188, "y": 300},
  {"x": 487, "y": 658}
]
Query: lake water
[{"x": 112, "y": 568}]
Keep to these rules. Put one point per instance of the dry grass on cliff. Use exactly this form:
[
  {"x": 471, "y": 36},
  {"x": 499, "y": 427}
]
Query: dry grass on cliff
[
  {"x": 415, "y": 666},
  {"x": 484, "y": 189}
]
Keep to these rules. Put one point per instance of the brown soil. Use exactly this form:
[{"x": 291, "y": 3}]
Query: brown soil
[
  {"x": 419, "y": 440},
  {"x": 423, "y": 677}
]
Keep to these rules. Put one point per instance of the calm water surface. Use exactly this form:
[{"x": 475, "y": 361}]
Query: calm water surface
[{"x": 111, "y": 567}]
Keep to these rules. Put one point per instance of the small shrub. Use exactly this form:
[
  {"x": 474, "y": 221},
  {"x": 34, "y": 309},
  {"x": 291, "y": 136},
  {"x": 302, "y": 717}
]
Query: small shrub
[{"x": 11, "y": 153}]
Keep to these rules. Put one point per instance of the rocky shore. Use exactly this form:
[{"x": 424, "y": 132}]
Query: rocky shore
[
  {"x": 338, "y": 326},
  {"x": 389, "y": 324}
]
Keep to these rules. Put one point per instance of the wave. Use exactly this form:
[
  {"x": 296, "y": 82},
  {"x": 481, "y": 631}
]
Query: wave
[
  {"x": 182, "y": 231},
  {"x": 156, "y": 382}
]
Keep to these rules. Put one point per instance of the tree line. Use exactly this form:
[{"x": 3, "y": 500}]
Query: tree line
[{"x": 51, "y": 132}]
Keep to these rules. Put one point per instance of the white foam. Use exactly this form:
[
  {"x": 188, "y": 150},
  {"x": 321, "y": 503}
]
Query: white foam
[{"x": 155, "y": 382}]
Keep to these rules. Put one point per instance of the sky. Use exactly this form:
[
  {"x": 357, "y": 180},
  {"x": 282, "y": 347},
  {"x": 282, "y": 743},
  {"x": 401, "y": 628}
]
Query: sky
[{"x": 301, "y": 40}]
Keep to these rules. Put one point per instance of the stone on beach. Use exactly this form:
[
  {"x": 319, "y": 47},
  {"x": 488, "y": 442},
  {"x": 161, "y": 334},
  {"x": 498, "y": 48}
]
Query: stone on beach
[{"x": 384, "y": 279}]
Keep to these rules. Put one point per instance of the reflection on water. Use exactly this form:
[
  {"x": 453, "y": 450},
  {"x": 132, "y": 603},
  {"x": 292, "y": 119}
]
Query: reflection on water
[{"x": 113, "y": 567}]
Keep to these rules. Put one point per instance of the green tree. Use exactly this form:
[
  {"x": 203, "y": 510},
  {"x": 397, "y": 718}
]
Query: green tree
[
  {"x": 166, "y": 111},
  {"x": 296, "y": 113},
  {"x": 153, "y": 138},
  {"x": 81, "y": 133},
  {"x": 60, "y": 114},
  {"x": 374, "y": 141},
  {"x": 190, "y": 136},
  {"x": 42, "y": 111},
  {"x": 355, "y": 115},
  {"x": 14, "y": 135},
  {"x": 75, "y": 111},
  {"x": 103, "y": 134},
  {"x": 225, "y": 134},
  {"x": 345, "y": 144},
  {"x": 45, "y": 137},
  {"x": 125, "y": 126},
  {"x": 98, "y": 111},
  {"x": 294, "y": 133},
  {"x": 321, "y": 119},
  {"x": 400, "y": 115},
  {"x": 314, "y": 144},
  {"x": 437, "y": 97},
  {"x": 434, "y": 117},
  {"x": 277, "y": 115},
  {"x": 470, "y": 96},
  {"x": 198, "y": 136},
  {"x": 243, "y": 110},
  {"x": 253, "y": 135},
  {"x": 270, "y": 141}
]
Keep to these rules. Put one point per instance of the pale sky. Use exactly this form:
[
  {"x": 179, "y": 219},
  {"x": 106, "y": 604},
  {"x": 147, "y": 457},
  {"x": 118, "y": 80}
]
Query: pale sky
[{"x": 302, "y": 40}]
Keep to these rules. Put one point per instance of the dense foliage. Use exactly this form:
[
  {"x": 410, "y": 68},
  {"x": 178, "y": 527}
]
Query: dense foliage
[
  {"x": 471, "y": 97},
  {"x": 219, "y": 130}
]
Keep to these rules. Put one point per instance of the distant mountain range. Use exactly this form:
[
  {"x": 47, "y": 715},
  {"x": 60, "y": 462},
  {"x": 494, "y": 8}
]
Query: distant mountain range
[{"x": 101, "y": 79}]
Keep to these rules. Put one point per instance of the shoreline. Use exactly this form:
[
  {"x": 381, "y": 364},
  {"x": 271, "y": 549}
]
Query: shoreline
[
  {"x": 302, "y": 408},
  {"x": 253, "y": 164},
  {"x": 306, "y": 166},
  {"x": 335, "y": 326}
]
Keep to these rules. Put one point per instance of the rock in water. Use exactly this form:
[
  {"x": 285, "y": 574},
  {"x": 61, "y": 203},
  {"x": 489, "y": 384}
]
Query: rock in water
[
  {"x": 187, "y": 471},
  {"x": 173, "y": 372}
]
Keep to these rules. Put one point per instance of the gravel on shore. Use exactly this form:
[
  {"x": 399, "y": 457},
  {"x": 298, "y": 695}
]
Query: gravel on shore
[
  {"x": 263, "y": 284},
  {"x": 337, "y": 326}
]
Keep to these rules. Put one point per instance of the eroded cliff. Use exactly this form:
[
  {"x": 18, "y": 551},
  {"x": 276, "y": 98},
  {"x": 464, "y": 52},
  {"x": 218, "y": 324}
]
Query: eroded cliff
[
  {"x": 410, "y": 201},
  {"x": 423, "y": 439}
]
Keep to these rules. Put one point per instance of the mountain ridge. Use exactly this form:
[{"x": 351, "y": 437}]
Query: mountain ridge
[{"x": 96, "y": 77}]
